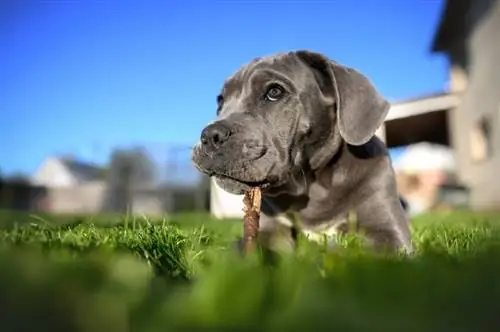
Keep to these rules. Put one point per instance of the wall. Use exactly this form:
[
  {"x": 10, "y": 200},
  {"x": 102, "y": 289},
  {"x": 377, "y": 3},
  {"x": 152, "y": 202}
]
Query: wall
[
  {"x": 91, "y": 197},
  {"x": 458, "y": 78},
  {"x": 85, "y": 198},
  {"x": 52, "y": 174},
  {"x": 480, "y": 99},
  {"x": 224, "y": 204},
  {"x": 147, "y": 203}
]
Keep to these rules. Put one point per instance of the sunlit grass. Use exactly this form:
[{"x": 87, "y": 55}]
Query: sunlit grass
[{"x": 183, "y": 273}]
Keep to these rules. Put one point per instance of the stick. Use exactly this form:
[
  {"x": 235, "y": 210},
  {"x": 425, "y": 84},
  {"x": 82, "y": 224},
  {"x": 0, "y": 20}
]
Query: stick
[{"x": 251, "y": 208}]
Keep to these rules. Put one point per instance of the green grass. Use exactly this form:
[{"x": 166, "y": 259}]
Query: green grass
[{"x": 114, "y": 273}]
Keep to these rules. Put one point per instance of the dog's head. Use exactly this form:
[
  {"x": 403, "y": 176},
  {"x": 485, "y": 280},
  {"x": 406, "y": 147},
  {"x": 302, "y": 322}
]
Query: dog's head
[{"x": 283, "y": 113}]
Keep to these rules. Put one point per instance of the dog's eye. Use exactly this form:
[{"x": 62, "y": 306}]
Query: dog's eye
[{"x": 274, "y": 93}]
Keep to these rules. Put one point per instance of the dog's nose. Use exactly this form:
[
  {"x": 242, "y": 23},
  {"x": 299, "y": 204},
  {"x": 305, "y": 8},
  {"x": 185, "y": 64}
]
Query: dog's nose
[{"x": 214, "y": 135}]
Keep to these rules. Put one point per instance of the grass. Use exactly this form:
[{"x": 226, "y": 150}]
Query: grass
[{"x": 115, "y": 273}]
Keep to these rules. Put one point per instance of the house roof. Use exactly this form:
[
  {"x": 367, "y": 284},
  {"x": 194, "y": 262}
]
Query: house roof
[
  {"x": 452, "y": 25},
  {"x": 82, "y": 171},
  {"x": 424, "y": 104}
]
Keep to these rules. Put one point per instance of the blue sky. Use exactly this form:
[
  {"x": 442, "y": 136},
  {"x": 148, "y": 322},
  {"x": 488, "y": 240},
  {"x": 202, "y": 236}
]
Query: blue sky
[{"x": 83, "y": 76}]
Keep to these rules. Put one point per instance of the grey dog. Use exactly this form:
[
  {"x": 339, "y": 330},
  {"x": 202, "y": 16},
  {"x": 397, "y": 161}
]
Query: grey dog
[{"x": 302, "y": 127}]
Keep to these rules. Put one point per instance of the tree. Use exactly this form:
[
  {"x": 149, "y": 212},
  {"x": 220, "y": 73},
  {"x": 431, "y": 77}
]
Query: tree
[
  {"x": 129, "y": 169},
  {"x": 16, "y": 177}
]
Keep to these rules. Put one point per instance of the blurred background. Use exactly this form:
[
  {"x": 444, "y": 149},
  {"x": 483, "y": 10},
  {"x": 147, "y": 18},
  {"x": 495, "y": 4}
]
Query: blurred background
[{"x": 101, "y": 101}]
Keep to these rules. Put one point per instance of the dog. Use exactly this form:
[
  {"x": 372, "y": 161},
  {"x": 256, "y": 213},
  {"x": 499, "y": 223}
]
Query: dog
[{"x": 302, "y": 127}]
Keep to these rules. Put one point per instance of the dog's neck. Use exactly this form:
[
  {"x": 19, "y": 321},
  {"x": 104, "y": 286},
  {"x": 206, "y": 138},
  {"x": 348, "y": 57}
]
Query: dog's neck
[
  {"x": 350, "y": 160},
  {"x": 300, "y": 180},
  {"x": 332, "y": 176}
]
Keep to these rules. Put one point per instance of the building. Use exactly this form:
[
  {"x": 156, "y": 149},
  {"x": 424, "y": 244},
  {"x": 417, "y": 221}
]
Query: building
[
  {"x": 72, "y": 186},
  {"x": 60, "y": 172},
  {"x": 468, "y": 35},
  {"x": 465, "y": 116}
]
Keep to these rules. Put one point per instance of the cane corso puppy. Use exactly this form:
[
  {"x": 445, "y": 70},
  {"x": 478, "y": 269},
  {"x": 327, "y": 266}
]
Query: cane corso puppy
[{"x": 302, "y": 127}]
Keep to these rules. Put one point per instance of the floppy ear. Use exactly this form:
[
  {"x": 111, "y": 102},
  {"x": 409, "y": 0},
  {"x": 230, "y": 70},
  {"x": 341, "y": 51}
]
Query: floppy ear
[{"x": 361, "y": 110}]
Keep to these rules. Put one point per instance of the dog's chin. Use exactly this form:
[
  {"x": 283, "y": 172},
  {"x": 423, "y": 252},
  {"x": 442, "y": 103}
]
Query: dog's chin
[
  {"x": 231, "y": 186},
  {"x": 236, "y": 187}
]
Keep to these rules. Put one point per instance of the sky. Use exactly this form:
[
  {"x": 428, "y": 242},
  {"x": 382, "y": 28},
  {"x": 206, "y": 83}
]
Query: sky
[{"x": 82, "y": 77}]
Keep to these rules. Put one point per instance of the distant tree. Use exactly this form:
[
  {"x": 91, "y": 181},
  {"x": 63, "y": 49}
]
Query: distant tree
[
  {"x": 10, "y": 186},
  {"x": 17, "y": 177},
  {"x": 128, "y": 170},
  {"x": 103, "y": 173}
]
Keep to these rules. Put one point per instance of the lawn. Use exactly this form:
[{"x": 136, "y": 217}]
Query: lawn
[{"x": 114, "y": 273}]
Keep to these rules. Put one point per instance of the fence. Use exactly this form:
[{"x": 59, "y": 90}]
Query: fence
[{"x": 97, "y": 197}]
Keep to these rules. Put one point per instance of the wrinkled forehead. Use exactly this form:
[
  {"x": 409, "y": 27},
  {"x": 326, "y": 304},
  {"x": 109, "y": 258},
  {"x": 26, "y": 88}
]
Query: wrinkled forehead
[{"x": 281, "y": 66}]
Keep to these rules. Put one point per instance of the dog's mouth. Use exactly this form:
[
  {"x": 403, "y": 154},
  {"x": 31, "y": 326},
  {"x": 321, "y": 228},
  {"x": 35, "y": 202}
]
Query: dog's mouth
[
  {"x": 236, "y": 181},
  {"x": 263, "y": 184}
]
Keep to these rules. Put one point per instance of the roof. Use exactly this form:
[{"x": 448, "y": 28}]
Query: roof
[
  {"x": 82, "y": 171},
  {"x": 424, "y": 104},
  {"x": 421, "y": 97},
  {"x": 452, "y": 25}
]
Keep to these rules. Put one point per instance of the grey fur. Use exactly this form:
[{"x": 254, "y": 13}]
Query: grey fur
[{"x": 313, "y": 148}]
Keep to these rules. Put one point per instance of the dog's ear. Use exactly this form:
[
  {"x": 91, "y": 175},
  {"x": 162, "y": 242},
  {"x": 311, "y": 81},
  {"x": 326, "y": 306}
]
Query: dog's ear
[{"x": 361, "y": 110}]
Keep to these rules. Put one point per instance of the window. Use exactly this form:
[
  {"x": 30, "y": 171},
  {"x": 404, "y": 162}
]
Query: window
[{"x": 481, "y": 140}]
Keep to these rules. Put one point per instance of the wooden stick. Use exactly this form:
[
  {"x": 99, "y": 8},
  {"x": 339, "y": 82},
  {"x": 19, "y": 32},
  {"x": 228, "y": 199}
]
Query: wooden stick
[{"x": 252, "y": 202}]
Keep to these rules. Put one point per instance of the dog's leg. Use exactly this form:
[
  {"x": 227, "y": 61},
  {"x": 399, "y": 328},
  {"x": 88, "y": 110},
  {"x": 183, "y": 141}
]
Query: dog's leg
[
  {"x": 276, "y": 233},
  {"x": 339, "y": 226},
  {"x": 384, "y": 222}
]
